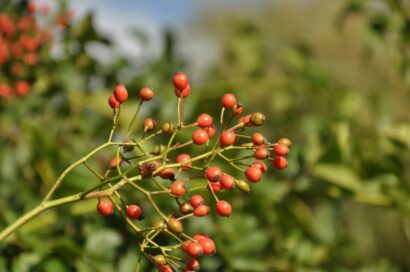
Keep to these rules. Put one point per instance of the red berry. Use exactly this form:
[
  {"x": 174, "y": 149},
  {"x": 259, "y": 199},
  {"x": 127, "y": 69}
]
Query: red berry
[
  {"x": 200, "y": 236},
  {"x": 185, "y": 92},
  {"x": 134, "y": 212},
  {"x": 280, "y": 162},
  {"x": 201, "y": 210},
  {"x": 185, "y": 246},
  {"x": 213, "y": 173},
  {"x": 204, "y": 120},
  {"x": 260, "y": 165},
  {"x": 200, "y": 137},
  {"x": 258, "y": 139},
  {"x": 227, "y": 138},
  {"x": 245, "y": 119},
  {"x": 180, "y": 81},
  {"x": 165, "y": 268},
  {"x": 211, "y": 131},
  {"x": 113, "y": 102},
  {"x": 228, "y": 100},
  {"x": 178, "y": 188},
  {"x": 223, "y": 208},
  {"x": 227, "y": 181},
  {"x": 21, "y": 88},
  {"x": 216, "y": 187},
  {"x": 113, "y": 162},
  {"x": 237, "y": 109},
  {"x": 261, "y": 153},
  {"x": 167, "y": 173},
  {"x": 195, "y": 250},
  {"x": 253, "y": 174},
  {"x": 192, "y": 264},
  {"x": 182, "y": 158},
  {"x": 105, "y": 207},
  {"x": 280, "y": 150},
  {"x": 208, "y": 246},
  {"x": 146, "y": 94},
  {"x": 196, "y": 200},
  {"x": 121, "y": 93},
  {"x": 149, "y": 124}
]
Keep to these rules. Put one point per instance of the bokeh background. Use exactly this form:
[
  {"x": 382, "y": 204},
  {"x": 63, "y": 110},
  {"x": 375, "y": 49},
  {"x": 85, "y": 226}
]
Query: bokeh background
[{"x": 333, "y": 76}]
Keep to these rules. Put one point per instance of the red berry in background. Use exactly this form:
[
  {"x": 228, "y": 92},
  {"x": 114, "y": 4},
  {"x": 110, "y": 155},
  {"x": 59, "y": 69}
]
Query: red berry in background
[
  {"x": 200, "y": 137},
  {"x": 253, "y": 174},
  {"x": 113, "y": 162},
  {"x": 113, "y": 102},
  {"x": 149, "y": 124},
  {"x": 258, "y": 139},
  {"x": 167, "y": 173},
  {"x": 261, "y": 153},
  {"x": 227, "y": 182},
  {"x": 134, "y": 212},
  {"x": 195, "y": 250},
  {"x": 21, "y": 88},
  {"x": 196, "y": 200},
  {"x": 185, "y": 92},
  {"x": 180, "y": 81},
  {"x": 204, "y": 120},
  {"x": 5, "y": 91},
  {"x": 245, "y": 119},
  {"x": 165, "y": 268},
  {"x": 121, "y": 93},
  {"x": 227, "y": 138},
  {"x": 223, "y": 208},
  {"x": 178, "y": 188},
  {"x": 182, "y": 158},
  {"x": 280, "y": 162},
  {"x": 280, "y": 150},
  {"x": 192, "y": 264},
  {"x": 216, "y": 187},
  {"x": 208, "y": 246},
  {"x": 228, "y": 100},
  {"x": 105, "y": 207},
  {"x": 260, "y": 165},
  {"x": 213, "y": 173},
  {"x": 146, "y": 94},
  {"x": 200, "y": 236},
  {"x": 211, "y": 131},
  {"x": 201, "y": 210}
]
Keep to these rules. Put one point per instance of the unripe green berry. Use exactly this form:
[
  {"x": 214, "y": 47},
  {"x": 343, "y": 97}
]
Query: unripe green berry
[
  {"x": 257, "y": 119},
  {"x": 158, "y": 149},
  {"x": 168, "y": 127},
  {"x": 243, "y": 186}
]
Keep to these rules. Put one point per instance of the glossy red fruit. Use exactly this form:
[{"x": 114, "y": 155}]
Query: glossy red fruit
[
  {"x": 165, "y": 268},
  {"x": 213, "y": 173},
  {"x": 185, "y": 246},
  {"x": 134, "y": 212},
  {"x": 223, "y": 208},
  {"x": 192, "y": 264},
  {"x": 195, "y": 250},
  {"x": 228, "y": 100},
  {"x": 260, "y": 165},
  {"x": 184, "y": 93},
  {"x": 208, "y": 246},
  {"x": 196, "y": 200},
  {"x": 211, "y": 131},
  {"x": 199, "y": 236},
  {"x": 201, "y": 210},
  {"x": 121, "y": 93},
  {"x": 258, "y": 139},
  {"x": 253, "y": 174},
  {"x": 146, "y": 94},
  {"x": 105, "y": 207},
  {"x": 149, "y": 124},
  {"x": 200, "y": 137},
  {"x": 182, "y": 158},
  {"x": 167, "y": 173},
  {"x": 180, "y": 81},
  {"x": 22, "y": 88},
  {"x": 227, "y": 138},
  {"x": 178, "y": 188},
  {"x": 261, "y": 153},
  {"x": 280, "y": 150},
  {"x": 280, "y": 162},
  {"x": 204, "y": 120},
  {"x": 113, "y": 102},
  {"x": 216, "y": 187},
  {"x": 227, "y": 182}
]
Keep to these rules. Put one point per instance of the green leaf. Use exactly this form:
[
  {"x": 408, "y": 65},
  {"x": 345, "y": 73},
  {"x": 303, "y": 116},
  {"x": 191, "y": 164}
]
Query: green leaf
[{"x": 338, "y": 175}]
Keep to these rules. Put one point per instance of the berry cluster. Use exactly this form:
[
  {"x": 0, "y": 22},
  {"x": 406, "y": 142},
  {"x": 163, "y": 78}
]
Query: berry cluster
[
  {"x": 22, "y": 41},
  {"x": 168, "y": 170}
]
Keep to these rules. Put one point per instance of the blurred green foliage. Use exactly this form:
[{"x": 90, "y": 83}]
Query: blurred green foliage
[{"x": 333, "y": 77}]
